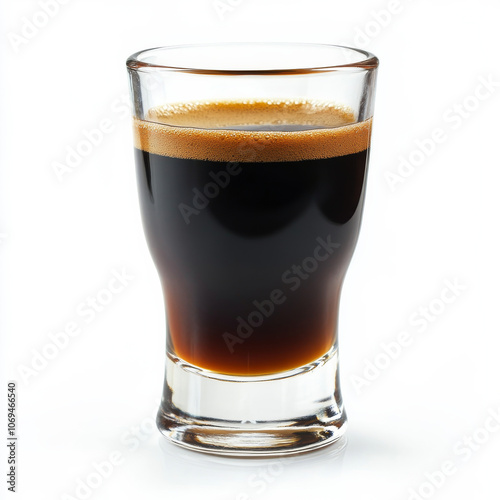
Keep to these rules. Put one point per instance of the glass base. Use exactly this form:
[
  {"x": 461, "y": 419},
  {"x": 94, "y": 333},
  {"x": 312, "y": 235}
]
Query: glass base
[{"x": 270, "y": 415}]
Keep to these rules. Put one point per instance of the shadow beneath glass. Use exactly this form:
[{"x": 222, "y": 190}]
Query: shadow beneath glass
[{"x": 246, "y": 478}]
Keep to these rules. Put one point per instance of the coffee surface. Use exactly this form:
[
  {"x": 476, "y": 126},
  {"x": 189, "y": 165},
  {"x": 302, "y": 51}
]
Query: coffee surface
[{"x": 227, "y": 131}]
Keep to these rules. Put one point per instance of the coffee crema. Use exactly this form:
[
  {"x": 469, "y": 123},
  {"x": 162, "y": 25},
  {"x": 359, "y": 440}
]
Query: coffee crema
[{"x": 203, "y": 131}]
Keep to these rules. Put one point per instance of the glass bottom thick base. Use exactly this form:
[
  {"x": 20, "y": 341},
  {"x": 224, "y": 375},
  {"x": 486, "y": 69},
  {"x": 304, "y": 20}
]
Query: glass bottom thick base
[{"x": 272, "y": 415}]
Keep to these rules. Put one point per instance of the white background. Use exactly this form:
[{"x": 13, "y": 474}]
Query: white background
[{"x": 61, "y": 240}]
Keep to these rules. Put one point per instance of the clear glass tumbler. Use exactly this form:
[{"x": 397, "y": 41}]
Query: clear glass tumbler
[{"x": 251, "y": 168}]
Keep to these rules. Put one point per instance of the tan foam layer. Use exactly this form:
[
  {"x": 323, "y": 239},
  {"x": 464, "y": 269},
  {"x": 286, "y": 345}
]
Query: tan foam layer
[{"x": 193, "y": 131}]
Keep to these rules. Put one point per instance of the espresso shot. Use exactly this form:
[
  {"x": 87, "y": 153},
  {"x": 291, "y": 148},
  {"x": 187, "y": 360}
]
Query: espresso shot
[{"x": 251, "y": 211}]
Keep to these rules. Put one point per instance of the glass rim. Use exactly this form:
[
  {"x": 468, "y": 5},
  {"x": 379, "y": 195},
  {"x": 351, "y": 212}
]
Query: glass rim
[{"x": 365, "y": 61}]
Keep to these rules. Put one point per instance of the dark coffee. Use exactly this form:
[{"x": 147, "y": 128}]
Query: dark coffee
[{"x": 251, "y": 219}]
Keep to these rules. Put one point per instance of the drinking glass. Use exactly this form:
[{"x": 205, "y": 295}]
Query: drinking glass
[{"x": 251, "y": 167}]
